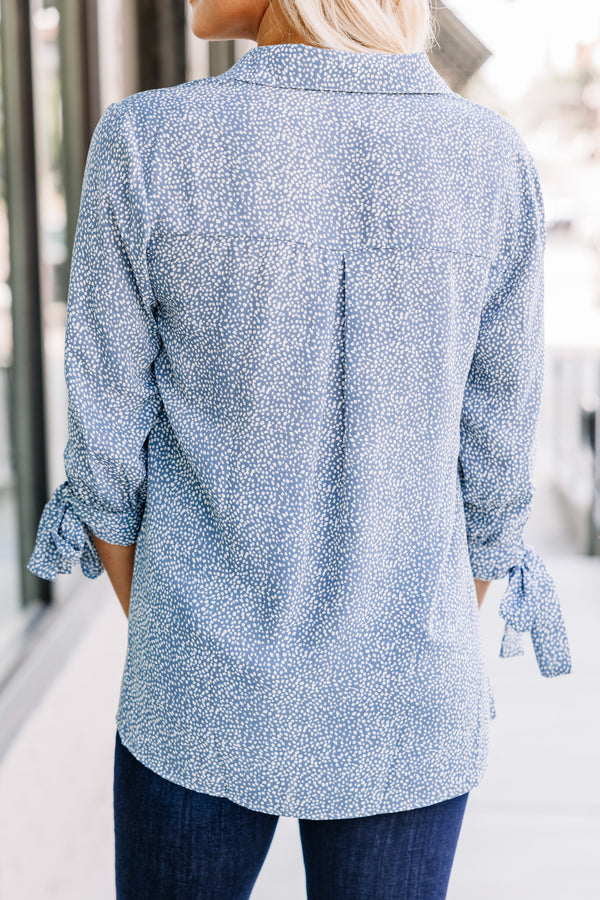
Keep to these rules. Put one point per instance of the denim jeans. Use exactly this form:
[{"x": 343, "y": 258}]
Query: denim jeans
[{"x": 172, "y": 843}]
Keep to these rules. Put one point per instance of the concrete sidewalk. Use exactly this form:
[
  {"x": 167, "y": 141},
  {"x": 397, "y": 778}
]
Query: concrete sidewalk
[{"x": 532, "y": 828}]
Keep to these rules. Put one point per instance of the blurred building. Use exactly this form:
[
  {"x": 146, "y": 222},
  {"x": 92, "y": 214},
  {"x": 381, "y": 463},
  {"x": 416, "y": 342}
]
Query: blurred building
[{"x": 61, "y": 63}]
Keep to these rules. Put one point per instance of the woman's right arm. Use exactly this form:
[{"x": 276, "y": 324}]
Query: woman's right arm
[
  {"x": 500, "y": 411},
  {"x": 480, "y": 589}
]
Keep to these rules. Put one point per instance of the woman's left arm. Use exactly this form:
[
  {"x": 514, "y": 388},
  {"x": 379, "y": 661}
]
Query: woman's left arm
[
  {"x": 118, "y": 563},
  {"x": 111, "y": 343}
]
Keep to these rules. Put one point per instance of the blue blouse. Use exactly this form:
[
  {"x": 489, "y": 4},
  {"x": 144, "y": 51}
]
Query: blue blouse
[{"x": 304, "y": 360}]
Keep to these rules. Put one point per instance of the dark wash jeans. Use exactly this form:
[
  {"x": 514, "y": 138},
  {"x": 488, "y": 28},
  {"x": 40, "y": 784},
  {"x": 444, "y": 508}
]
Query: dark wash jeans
[{"x": 172, "y": 843}]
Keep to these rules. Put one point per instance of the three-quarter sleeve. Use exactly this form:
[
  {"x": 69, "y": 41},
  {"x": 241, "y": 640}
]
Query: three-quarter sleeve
[
  {"x": 499, "y": 423},
  {"x": 111, "y": 343}
]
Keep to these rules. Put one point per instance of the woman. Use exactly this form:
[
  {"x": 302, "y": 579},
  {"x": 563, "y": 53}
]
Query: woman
[{"x": 304, "y": 364}]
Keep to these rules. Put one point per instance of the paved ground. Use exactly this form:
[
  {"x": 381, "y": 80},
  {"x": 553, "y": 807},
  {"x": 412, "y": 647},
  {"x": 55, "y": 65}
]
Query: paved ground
[{"x": 531, "y": 830}]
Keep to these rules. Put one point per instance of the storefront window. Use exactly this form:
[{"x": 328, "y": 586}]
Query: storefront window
[
  {"x": 9, "y": 555},
  {"x": 52, "y": 218}
]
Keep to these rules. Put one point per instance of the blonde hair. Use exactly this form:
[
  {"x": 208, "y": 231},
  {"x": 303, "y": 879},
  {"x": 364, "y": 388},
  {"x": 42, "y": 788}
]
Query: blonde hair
[{"x": 380, "y": 26}]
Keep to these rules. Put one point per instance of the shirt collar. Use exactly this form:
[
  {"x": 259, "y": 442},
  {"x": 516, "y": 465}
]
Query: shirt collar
[{"x": 305, "y": 67}]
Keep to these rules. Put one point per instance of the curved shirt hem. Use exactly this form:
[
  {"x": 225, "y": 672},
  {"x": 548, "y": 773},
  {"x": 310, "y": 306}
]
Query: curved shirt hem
[{"x": 295, "y": 810}]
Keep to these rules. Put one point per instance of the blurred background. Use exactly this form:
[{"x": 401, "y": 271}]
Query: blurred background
[{"x": 532, "y": 828}]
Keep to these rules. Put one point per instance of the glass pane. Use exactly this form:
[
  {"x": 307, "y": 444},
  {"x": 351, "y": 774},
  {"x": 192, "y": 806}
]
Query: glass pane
[
  {"x": 52, "y": 216},
  {"x": 10, "y": 606}
]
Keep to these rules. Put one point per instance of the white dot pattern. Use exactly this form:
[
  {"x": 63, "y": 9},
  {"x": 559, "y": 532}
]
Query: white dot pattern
[{"x": 304, "y": 360}]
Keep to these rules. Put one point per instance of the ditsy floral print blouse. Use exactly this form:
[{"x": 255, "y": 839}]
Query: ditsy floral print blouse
[{"x": 304, "y": 358}]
